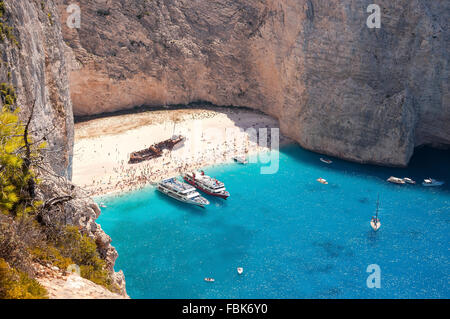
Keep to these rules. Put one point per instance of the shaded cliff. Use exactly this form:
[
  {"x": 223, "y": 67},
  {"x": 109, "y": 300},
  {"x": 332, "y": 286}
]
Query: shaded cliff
[
  {"x": 337, "y": 87},
  {"x": 34, "y": 67}
]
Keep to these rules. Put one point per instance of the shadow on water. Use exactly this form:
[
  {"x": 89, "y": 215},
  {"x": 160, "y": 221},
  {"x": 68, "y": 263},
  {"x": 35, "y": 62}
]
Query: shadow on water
[
  {"x": 182, "y": 206},
  {"x": 333, "y": 250},
  {"x": 425, "y": 163},
  {"x": 374, "y": 237},
  {"x": 364, "y": 200},
  {"x": 331, "y": 293}
]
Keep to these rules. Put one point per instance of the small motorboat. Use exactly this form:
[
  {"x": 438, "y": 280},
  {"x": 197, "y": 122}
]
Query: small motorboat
[
  {"x": 432, "y": 182},
  {"x": 396, "y": 180},
  {"x": 209, "y": 279},
  {"x": 322, "y": 180},
  {"x": 102, "y": 205},
  {"x": 409, "y": 180},
  {"x": 326, "y": 161},
  {"x": 240, "y": 270},
  {"x": 240, "y": 160}
]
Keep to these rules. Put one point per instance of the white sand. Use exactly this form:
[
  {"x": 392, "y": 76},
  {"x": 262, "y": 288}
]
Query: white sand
[{"x": 103, "y": 146}]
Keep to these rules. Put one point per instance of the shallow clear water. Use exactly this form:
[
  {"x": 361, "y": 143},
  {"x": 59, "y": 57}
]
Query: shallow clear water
[{"x": 295, "y": 237}]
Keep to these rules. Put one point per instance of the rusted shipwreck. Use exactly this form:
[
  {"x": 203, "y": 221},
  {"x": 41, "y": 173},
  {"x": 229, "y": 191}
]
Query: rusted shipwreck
[{"x": 156, "y": 150}]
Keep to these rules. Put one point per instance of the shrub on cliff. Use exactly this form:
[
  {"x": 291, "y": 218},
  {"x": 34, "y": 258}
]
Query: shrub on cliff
[
  {"x": 16, "y": 237},
  {"x": 71, "y": 247},
  {"x": 7, "y": 93},
  {"x": 15, "y": 284},
  {"x": 5, "y": 30},
  {"x": 83, "y": 251},
  {"x": 24, "y": 235},
  {"x": 16, "y": 155}
]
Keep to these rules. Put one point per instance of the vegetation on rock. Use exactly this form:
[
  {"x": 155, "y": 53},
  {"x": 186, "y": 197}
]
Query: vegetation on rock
[
  {"x": 6, "y": 32},
  {"x": 24, "y": 236},
  {"x": 16, "y": 284},
  {"x": 34, "y": 227}
]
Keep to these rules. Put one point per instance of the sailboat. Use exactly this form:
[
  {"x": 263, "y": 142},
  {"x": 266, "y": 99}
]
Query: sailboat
[{"x": 375, "y": 222}]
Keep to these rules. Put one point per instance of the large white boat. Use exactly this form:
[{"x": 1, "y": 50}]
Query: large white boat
[
  {"x": 431, "y": 182},
  {"x": 182, "y": 192},
  {"x": 207, "y": 184}
]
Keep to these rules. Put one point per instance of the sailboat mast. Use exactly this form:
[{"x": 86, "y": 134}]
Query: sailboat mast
[{"x": 378, "y": 205}]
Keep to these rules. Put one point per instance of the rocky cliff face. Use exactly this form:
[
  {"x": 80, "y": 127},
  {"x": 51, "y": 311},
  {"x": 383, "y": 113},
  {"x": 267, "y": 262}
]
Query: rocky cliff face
[
  {"x": 61, "y": 285},
  {"x": 34, "y": 63},
  {"x": 80, "y": 211},
  {"x": 38, "y": 72},
  {"x": 337, "y": 87}
]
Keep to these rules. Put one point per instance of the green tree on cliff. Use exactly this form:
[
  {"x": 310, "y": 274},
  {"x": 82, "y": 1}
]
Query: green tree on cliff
[
  {"x": 17, "y": 153},
  {"x": 58, "y": 244}
]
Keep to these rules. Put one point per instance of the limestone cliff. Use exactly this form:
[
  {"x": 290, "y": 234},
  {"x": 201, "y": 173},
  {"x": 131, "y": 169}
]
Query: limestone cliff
[
  {"x": 34, "y": 64},
  {"x": 38, "y": 72},
  {"x": 337, "y": 87},
  {"x": 61, "y": 285}
]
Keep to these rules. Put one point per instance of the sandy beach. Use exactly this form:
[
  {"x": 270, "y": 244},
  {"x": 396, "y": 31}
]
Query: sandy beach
[{"x": 213, "y": 136}]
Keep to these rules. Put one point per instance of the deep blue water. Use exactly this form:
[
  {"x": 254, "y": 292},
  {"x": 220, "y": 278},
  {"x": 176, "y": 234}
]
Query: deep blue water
[{"x": 295, "y": 237}]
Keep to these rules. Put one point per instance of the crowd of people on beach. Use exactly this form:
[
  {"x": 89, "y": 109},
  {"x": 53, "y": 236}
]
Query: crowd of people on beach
[
  {"x": 126, "y": 177},
  {"x": 117, "y": 175}
]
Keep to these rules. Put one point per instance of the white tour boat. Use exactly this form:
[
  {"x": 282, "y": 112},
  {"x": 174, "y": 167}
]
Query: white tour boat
[
  {"x": 207, "y": 184},
  {"x": 432, "y": 182},
  {"x": 182, "y": 192}
]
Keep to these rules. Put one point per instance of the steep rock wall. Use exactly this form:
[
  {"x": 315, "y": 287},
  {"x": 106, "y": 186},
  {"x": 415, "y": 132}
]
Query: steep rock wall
[
  {"x": 337, "y": 87},
  {"x": 35, "y": 65},
  {"x": 39, "y": 74}
]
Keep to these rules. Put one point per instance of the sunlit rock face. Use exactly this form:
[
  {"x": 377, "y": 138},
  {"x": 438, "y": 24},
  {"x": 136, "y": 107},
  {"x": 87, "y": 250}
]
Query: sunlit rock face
[
  {"x": 35, "y": 65},
  {"x": 38, "y": 72},
  {"x": 337, "y": 86}
]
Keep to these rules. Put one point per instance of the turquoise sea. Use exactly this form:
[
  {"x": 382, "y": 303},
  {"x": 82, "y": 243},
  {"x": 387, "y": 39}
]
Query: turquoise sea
[{"x": 294, "y": 237}]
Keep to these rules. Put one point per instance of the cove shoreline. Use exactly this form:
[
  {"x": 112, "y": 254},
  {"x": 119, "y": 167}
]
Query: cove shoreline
[{"x": 213, "y": 136}]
